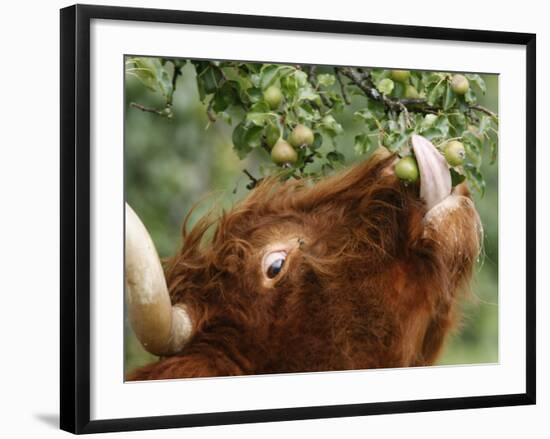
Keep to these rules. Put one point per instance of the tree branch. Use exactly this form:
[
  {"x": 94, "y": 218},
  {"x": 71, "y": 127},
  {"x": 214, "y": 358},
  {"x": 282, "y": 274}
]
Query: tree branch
[
  {"x": 484, "y": 110},
  {"x": 146, "y": 109},
  {"x": 342, "y": 86},
  {"x": 167, "y": 110},
  {"x": 313, "y": 80},
  {"x": 253, "y": 180},
  {"x": 361, "y": 78}
]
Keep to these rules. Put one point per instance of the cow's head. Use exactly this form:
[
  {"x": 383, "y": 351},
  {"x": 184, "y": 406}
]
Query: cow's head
[{"x": 355, "y": 271}]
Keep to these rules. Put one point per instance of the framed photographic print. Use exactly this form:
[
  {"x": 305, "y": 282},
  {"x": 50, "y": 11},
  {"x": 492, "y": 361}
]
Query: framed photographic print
[{"x": 292, "y": 219}]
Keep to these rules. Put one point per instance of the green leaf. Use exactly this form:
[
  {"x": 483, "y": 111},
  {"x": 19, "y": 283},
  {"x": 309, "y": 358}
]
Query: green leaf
[
  {"x": 307, "y": 94},
  {"x": 254, "y": 136},
  {"x": 306, "y": 113},
  {"x": 260, "y": 107},
  {"x": 289, "y": 86},
  {"x": 433, "y": 128},
  {"x": 301, "y": 77},
  {"x": 431, "y": 78},
  {"x": 258, "y": 119},
  {"x": 398, "y": 90},
  {"x": 254, "y": 94},
  {"x": 363, "y": 143},
  {"x": 472, "y": 139},
  {"x": 470, "y": 97},
  {"x": 427, "y": 122},
  {"x": 436, "y": 92},
  {"x": 239, "y": 141},
  {"x": 450, "y": 97},
  {"x": 402, "y": 121},
  {"x": 255, "y": 79},
  {"x": 270, "y": 73},
  {"x": 245, "y": 138},
  {"x": 367, "y": 116},
  {"x": 151, "y": 73},
  {"x": 226, "y": 96},
  {"x": 392, "y": 125},
  {"x": 337, "y": 101},
  {"x": 251, "y": 67},
  {"x": 385, "y": 86},
  {"x": 317, "y": 141},
  {"x": 456, "y": 178},
  {"x": 473, "y": 146},
  {"x": 458, "y": 122},
  {"x": 326, "y": 79},
  {"x": 164, "y": 80},
  {"x": 200, "y": 66},
  {"x": 475, "y": 178},
  {"x": 432, "y": 133},
  {"x": 416, "y": 78},
  {"x": 442, "y": 124},
  {"x": 272, "y": 133},
  {"x": 336, "y": 157},
  {"x": 211, "y": 78},
  {"x": 220, "y": 104},
  {"x": 143, "y": 70},
  {"x": 395, "y": 141},
  {"x": 331, "y": 126},
  {"x": 484, "y": 123},
  {"x": 200, "y": 89},
  {"x": 378, "y": 74},
  {"x": 478, "y": 81}
]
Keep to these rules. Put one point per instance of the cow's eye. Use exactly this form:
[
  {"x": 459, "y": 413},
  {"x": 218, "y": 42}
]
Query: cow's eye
[{"x": 273, "y": 263}]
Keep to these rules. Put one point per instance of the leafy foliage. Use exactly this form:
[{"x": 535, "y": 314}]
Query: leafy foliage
[
  {"x": 173, "y": 162},
  {"x": 388, "y": 110}
]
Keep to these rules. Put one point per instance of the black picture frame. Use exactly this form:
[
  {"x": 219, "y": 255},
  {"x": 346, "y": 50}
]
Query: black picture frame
[{"x": 75, "y": 217}]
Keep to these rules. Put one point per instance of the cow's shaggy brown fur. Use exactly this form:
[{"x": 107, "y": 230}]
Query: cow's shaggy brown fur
[{"x": 373, "y": 284}]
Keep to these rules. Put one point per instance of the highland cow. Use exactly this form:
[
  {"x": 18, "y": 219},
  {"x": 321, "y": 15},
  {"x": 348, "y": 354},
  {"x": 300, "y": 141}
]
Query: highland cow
[{"x": 356, "y": 271}]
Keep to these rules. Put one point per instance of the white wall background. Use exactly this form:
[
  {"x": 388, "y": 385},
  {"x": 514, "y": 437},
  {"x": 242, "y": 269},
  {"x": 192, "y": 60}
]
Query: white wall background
[{"x": 29, "y": 218}]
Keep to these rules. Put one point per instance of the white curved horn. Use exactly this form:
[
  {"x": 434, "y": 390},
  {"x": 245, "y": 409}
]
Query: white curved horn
[
  {"x": 435, "y": 176},
  {"x": 161, "y": 328}
]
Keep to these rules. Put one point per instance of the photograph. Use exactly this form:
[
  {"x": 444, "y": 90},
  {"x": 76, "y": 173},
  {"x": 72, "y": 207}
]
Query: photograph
[{"x": 297, "y": 218}]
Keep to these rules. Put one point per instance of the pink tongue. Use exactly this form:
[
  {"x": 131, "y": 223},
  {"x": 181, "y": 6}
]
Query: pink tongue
[{"x": 435, "y": 177}]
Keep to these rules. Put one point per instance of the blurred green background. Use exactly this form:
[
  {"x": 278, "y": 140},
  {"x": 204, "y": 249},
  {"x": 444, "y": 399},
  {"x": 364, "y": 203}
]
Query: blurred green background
[{"x": 172, "y": 164}]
